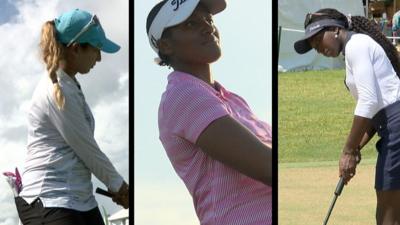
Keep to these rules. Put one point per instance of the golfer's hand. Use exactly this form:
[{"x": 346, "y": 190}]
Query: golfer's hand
[
  {"x": 122, "y": 196},
  {"x": 347, "y": 165}
]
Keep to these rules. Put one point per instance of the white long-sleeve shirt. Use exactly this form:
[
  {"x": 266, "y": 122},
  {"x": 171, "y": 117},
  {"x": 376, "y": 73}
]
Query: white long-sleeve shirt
[
  {"x": 62, "y": 152},
  {"x": 370, "y": 76}
]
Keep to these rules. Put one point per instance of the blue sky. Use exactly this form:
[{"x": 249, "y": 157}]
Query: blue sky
[
  {"x": 244, "y": 68},
  {"x": 105, "y": 87},
  {"x": 8, "y": 11}
]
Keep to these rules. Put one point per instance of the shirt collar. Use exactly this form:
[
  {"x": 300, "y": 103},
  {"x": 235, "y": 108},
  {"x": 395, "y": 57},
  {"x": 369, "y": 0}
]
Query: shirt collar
[
  {"x": 348, "y": 37},
  {"x": 182, "y": 76},
  {"x": 64, "y": 77}
]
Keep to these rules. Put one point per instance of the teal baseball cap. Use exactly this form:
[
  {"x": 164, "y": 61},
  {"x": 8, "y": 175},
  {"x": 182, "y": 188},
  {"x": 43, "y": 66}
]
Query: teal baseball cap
[{"x": 82, "y": 27}]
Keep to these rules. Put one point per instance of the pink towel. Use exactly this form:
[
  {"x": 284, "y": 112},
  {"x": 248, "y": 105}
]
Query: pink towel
[{"x": 14, "y": 180}]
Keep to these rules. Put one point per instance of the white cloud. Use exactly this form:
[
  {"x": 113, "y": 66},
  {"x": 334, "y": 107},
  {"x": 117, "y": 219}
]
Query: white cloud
[
  {"x": 106, "y": 87},
  {"x": 9, "y": 221},
  {"x": 164, "y": 199}
]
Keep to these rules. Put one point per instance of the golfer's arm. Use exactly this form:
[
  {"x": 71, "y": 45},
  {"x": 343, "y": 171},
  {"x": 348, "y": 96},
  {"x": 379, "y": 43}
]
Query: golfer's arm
[
  {"x": 368, "y": 135},
  {"x": 229, "y": 142},
  {"x": 72, "y": 126},
  {"x": 357, "y": 134}
]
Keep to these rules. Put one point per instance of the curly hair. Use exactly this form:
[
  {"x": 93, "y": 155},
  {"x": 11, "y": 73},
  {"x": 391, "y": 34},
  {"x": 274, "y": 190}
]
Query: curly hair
[{"x": 360, "y": 24}]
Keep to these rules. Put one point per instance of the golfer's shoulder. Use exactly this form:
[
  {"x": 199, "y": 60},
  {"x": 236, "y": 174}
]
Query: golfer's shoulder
[
  {"x": 360, "y": 47},
  {"x": 187, "y": 89},
  {"x": 358, "y": 41}
]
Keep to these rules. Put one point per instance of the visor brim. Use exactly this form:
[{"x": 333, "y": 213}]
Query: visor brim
[{"x": 303, "y": 46}]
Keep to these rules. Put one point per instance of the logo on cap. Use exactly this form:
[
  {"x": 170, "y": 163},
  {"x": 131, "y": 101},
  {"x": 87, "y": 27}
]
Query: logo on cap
[
  {"x": 177, "y": 3},
  {"x": 314, "y": 27}
]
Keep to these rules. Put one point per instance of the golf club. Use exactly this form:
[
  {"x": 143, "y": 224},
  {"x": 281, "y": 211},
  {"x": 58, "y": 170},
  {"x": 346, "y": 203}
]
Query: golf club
[
  {"x": 338, "y": 191},
  {"x": 103, "y": 192}
]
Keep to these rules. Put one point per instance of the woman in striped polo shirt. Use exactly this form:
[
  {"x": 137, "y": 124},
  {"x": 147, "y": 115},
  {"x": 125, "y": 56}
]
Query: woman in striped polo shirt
[{"x": 217, "y": 146}]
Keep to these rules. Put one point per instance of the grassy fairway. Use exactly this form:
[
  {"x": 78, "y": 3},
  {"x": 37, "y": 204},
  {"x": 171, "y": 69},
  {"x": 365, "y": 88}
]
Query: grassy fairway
[
  {"x": 315, "y": 113},
  {"x": 305, "y": 194}
]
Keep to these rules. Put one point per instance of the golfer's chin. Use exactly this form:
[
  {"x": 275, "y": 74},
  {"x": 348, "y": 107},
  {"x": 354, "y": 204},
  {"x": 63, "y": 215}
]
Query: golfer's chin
[
  {"x": 212, "y": 56},
  {"x": 85, "y": 71},
  {"x": 201, "y": 58},
  {"x": 332, "y": 54}
]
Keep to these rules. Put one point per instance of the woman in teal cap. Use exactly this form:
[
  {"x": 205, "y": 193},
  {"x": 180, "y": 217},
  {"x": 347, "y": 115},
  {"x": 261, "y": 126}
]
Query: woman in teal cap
[{"x": 62, "y": 152}]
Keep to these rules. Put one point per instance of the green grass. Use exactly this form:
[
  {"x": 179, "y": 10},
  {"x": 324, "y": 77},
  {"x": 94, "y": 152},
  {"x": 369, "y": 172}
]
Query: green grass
[
  {"x": 305, "y": 194},
  {"x": 315, "y": 112}
]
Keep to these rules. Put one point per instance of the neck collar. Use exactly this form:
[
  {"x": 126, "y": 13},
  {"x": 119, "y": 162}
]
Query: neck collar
[{"x": 349, "y": 34}]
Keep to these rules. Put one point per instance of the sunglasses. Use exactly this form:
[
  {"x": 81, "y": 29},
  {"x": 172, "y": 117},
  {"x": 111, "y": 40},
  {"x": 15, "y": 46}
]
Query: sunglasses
[
  {"x": 93, "y": 22},
  {"x": 309, "y": 16}
]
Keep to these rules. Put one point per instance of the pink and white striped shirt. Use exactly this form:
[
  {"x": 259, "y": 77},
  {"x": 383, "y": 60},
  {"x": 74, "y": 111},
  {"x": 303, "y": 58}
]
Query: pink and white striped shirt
[{"x": 221, "y": 195}]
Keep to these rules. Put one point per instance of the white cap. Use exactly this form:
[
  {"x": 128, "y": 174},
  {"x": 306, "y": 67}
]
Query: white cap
[{"x": 174, "y": 12}]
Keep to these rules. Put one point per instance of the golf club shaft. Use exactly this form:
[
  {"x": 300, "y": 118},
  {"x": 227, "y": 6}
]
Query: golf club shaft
[
  {"x": 103, "y": 192},
  {"x": 330, "y": 210},
  {"x": 338, "y": 191}
]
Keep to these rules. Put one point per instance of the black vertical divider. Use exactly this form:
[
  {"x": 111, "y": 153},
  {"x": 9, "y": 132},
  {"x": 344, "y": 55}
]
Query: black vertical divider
[{"x": 275, "y": 54}]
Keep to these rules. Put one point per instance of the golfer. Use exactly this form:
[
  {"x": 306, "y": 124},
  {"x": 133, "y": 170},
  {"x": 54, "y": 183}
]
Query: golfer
[
  {"x": 372, "y": 77},
  {"x": 62, "y": 152},
  {"x": 217, "y": 146}
]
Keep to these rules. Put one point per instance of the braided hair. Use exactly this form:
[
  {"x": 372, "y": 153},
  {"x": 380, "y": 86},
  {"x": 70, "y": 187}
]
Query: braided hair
[
  {"x": 52, "y": 53},
  {"x": 360, "y": 24}
]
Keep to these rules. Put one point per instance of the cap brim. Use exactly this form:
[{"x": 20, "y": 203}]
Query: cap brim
[
  {"x": 303, "y": 46},
  {"x": 215, "y": 6},
  {"x": 109, "y": 46}
]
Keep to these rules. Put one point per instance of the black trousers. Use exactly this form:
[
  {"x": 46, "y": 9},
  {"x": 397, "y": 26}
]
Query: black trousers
[{"x": 36, "y": 214}]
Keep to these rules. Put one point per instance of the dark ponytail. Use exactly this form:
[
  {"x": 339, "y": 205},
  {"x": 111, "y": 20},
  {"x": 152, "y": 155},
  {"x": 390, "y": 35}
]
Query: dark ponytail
[
  {"x": 362, "y": 25},
  {"x": 365, "y": 26}
]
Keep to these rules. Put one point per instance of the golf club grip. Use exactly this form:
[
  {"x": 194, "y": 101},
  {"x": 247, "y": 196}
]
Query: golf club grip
[
  {"x": 339, "y": 186},
  {"x": 103, "y": 192}
]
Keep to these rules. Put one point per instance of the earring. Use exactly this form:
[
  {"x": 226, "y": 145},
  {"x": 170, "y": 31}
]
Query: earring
[{"x": 336, "y": 36}]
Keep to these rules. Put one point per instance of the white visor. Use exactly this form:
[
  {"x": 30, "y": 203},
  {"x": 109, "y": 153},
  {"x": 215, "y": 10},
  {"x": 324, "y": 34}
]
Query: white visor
[{"x": 174, "y": 12}]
